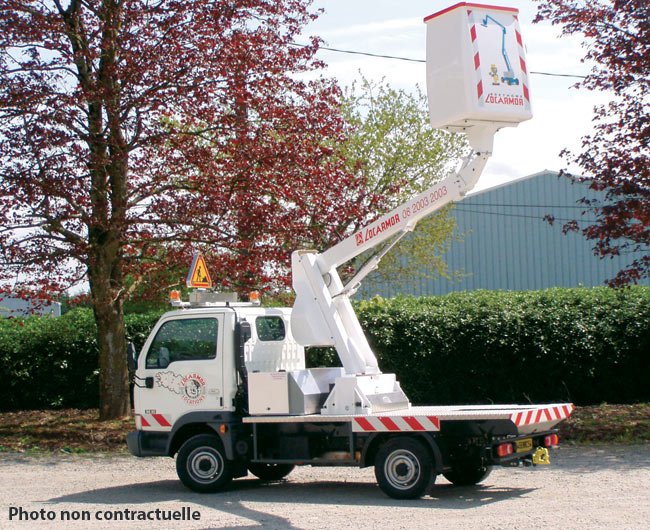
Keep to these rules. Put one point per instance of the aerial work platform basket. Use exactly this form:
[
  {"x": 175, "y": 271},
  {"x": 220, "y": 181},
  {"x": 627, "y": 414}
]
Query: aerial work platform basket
[{"x": 476, "y": 68}]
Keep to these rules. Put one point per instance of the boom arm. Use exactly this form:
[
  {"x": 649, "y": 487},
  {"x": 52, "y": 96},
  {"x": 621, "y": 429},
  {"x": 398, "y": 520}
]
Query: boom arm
[
  {"x": 322, "y": 314},
  {"x": 403, "y": 219}
]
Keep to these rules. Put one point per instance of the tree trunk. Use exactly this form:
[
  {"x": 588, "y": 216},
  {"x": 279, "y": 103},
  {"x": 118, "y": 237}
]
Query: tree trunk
[
  {"x": 106, "y": 233},
  {"x": 114, "y": 401}
]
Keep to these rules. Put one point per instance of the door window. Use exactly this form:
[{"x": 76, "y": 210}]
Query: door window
[{"x": 183, "y": 340}]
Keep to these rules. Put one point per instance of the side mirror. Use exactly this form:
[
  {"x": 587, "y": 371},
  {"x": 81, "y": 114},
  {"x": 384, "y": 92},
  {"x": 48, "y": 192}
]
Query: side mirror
[
  {"x": 243, "y": 337},
  {"x": 245, "y": 332},
  {"x": 131, "y": 357}
]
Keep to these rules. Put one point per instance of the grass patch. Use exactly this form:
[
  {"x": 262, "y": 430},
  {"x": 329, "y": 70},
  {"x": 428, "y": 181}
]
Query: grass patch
[
  {"x": 622, "y": 424},
  {"x": 69, "y": 431},
  {"x": 617, "y": 424},
  {"x": 74, "y": 431}
]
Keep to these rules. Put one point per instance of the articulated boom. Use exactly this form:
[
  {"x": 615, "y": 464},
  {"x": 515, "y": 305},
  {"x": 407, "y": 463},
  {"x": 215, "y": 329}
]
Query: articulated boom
[{"x": 322, "y": 313}]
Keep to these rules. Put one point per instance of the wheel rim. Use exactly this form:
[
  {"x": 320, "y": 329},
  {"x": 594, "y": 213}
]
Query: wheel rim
[
  {"x": 205, "y": 464},
  {"x": 402, "y": 469}
]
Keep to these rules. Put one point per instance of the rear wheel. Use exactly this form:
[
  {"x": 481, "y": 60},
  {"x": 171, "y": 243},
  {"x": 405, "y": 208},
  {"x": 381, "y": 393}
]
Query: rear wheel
[
  {"x": 201, "y": 464},
  {"x": 270, "y": 471},
  {"x": 467, "y": 473},
  {"x": 404, "y": 468}
]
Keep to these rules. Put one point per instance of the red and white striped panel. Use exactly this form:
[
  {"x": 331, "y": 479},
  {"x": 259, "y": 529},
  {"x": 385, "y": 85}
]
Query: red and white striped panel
[
  {"x": 522, "y": 62},
  {"x": 156, "y": 422},
  {"x": 529, "y": 417},
  {"x": 395, "y": 423},
  {"x": 477, "y": 58}
]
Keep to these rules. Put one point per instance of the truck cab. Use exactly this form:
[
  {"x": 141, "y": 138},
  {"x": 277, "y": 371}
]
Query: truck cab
[{"x": 195, "y": 363}]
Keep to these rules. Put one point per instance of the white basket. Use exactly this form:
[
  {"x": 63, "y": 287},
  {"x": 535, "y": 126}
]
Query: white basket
[{"x": 476, "y": 67}]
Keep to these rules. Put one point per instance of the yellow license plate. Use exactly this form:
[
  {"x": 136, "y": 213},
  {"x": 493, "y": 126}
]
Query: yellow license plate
[{"x": 524, "y": 445}]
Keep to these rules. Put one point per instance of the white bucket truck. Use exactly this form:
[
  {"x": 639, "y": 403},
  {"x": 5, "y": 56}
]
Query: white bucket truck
[{"x": 222, "y": 384}]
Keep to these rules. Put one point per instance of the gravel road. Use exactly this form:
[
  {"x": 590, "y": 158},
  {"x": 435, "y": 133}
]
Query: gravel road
[{"x": 584, "y": 488}]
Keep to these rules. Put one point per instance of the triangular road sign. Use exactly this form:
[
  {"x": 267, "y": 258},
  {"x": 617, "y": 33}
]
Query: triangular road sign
[{"x": 198, "y": 275}]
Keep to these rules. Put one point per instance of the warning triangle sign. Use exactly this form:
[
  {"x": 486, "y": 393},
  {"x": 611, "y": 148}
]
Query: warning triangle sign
[{"x": 198, "y": 275}]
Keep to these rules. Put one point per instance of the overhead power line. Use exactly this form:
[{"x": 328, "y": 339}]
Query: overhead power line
[
  {"x": 529, "y": 205},
  {"x": 521, "y": 216},
  {"x": 368, "y": 54},
  {"x": 408, "y": 59}
]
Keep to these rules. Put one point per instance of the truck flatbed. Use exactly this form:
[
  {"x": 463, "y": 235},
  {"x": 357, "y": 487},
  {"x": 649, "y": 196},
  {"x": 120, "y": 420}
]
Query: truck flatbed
[{"x": 527, "y": 418}]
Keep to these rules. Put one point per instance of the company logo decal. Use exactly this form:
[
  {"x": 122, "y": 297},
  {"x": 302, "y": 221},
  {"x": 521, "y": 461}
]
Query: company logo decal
[
  {"x": 170, "y": 381},
  {"x": 368, "y": 233},
  {"x": 191, "y": 387},
  {"x": 504, "y": 99}
]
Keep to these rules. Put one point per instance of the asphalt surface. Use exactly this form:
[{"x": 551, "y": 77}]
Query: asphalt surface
[{"x": 584, "y": 488}]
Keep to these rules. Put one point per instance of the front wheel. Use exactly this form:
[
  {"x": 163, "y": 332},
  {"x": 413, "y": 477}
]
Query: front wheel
[
  {"x": 404, "y": 468},
  {"x": 201, "y": 464}
]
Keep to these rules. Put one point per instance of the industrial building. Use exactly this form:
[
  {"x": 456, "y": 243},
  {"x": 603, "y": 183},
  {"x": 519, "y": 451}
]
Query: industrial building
[{"x": 507, "y": 244}]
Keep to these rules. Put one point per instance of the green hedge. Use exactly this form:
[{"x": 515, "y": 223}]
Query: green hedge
[
  {"x": 53, "y": 362},
  {"x": 581, "y": 345}
]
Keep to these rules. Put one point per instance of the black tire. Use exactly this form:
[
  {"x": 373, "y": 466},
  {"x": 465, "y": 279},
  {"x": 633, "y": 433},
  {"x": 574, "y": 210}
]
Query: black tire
[
  {"x": 270, "y": 471},
  {"x": 201, "y": 464},
  {"x": 404, "y": 468},
  {"x": 467, "y": 474}
]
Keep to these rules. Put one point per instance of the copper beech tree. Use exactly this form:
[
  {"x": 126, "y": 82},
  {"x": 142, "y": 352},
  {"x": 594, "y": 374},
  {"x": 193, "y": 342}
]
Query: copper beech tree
[
  {"x": 616, "y": 156},
  {"x": 134, "y": 132}
]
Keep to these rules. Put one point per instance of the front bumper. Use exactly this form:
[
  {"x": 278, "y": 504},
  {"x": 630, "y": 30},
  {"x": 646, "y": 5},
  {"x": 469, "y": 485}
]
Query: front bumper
[{"x": 143, "y": 443}]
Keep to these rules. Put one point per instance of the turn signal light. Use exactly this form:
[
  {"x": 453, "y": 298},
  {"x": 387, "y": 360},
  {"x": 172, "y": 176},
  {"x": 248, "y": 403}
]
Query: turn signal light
[
  {"x": 505, "y": 450},
  {"x": 551, "y": 440}
]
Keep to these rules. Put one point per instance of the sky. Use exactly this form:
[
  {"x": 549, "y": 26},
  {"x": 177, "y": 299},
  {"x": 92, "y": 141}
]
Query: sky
[{"x": 561, "y": 114}]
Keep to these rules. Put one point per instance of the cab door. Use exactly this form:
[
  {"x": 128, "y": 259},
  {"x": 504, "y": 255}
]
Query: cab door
[{"x": 180, "y": 370}]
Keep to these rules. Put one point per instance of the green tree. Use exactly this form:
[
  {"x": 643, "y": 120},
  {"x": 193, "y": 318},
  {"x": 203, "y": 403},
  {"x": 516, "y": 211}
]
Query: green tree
[
  {"x": 615, "y": 156},
  {"x": 395, "y": 148},
  {"x": 133, "y": 133}
]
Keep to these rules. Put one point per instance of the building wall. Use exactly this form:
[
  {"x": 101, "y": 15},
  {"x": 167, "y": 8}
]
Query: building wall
[
  {"x": 508, "y": 245},
  {"x": 16, "y": 307}
]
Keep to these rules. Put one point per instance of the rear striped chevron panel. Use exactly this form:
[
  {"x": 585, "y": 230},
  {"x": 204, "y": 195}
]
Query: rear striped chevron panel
[{"x": 553, "y": 413}]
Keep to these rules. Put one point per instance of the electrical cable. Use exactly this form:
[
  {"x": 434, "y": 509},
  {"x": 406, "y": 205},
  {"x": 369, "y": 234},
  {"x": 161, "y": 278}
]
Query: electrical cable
[
  {"x": 394, "y": 57},
  {"x": 469, "y": 210},
  {"x": 529, "y": 205}
]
